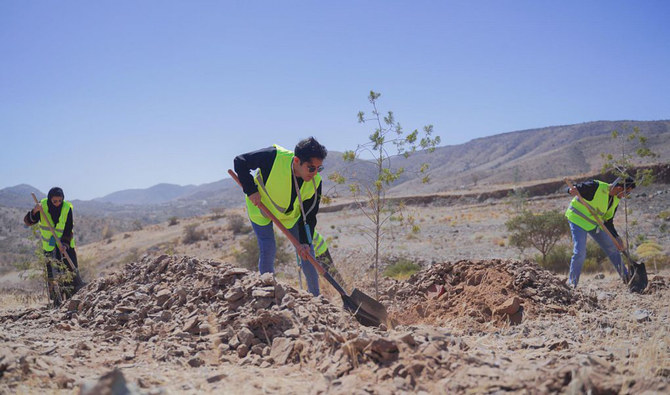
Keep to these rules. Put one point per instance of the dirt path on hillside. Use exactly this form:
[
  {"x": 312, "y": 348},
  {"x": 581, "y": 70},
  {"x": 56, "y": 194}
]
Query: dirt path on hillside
[{"x": 178, "y": 324}]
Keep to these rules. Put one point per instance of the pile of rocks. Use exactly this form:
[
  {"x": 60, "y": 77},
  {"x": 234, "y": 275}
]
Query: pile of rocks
[
  {"x": 204, "y": 312},
  {"x": 186, "y": 306},
  {"x": 485, "y": 291}
]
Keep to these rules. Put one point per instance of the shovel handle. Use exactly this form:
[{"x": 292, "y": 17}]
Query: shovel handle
[
  {"x": 293, "y": 240},
  {"x": 595, "y": 216},
  {"x": 53, "y": 231}
]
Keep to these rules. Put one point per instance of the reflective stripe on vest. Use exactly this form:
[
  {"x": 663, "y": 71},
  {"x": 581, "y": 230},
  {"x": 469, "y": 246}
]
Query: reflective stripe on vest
[
  {"x": 579, "y": 215},
  {"x": 320, "y": 245},
  {"x": 276, "y": 192},
  {"x": 45, "y": 230}
]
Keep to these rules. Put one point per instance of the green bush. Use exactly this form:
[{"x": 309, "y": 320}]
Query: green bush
[
  {"x": 402, "y": 269},
  {"x": 592, "y": 265},
  {"x": 594, "y": 251},
  {"x": 172, "y": 221},
  {"x": 558, "y": 259},
  {"x": 540, "y": 231}
]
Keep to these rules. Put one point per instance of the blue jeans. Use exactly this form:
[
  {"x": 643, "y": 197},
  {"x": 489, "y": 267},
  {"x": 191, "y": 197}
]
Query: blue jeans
[
  {"x": 268, "y": 249},
  {"x": 579, "y": 252}
]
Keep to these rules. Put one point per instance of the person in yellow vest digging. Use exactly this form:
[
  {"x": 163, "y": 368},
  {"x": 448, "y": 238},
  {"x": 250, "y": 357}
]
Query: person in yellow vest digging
[
  {"x": 60, "y": 217},
  {"x": 604, "y": 200},
  {"x": 289, "y": 185},
  {"x": 322, "y": 254}
]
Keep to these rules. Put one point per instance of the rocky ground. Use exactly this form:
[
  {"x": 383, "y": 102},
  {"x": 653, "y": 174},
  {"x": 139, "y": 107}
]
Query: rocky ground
[
  {"x": 180, "y": 324},
  {"x": 479, "y": 318}
]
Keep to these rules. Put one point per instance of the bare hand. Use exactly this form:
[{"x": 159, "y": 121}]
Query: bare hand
[
  {"x": 304, "y": 252},
  {"x": 573, "y": 191},
  {"x": 62, "y": 250},
  {"x": 36, "y": 208},
  {"x": 255, "y": 199}
]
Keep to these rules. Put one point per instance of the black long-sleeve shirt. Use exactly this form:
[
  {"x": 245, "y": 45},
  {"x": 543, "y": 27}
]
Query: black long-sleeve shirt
[
  {"x": 263, "y": 159},
  {"x": 588, "y": 190},
  {"x": 32, "y": 219}
]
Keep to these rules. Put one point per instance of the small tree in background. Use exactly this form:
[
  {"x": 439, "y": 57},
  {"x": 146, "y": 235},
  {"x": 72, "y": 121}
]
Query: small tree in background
[
  {"x": 371, "y": 199},
  {"x": 541, "y": 231},
  {"x": 632, "y": 147}
]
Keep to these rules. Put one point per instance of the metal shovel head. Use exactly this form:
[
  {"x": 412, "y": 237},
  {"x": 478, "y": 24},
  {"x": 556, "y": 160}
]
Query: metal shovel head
[
  {"x": 367, "y": 311},
  {"x": 638, "y": 281},
  {"x": 638, "y": 275}
]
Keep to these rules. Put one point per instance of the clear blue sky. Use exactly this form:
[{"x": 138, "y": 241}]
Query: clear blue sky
[{"x": 100, "y": 96}]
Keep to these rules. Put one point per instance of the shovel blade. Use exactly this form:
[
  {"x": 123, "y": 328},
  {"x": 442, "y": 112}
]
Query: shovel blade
[
  {"x": 638, "y": 275},
  {"x": 367, "y": 311},
  {"x": 638, "y": 281}
]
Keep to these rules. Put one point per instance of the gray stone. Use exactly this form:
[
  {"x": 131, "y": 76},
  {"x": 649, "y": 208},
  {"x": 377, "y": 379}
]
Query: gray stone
[{"x": 281, "y": 349}]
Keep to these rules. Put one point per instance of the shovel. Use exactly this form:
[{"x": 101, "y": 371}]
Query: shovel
[
  {"x": 367, "y": 311},
  {"x": 638, "y": 276}
]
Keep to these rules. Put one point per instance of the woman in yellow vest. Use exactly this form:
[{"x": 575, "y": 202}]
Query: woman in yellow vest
[
  {"x": 604, "y": 200},
  {"x": 60, "y": 218},
  {"x": 284, "y": 181}
]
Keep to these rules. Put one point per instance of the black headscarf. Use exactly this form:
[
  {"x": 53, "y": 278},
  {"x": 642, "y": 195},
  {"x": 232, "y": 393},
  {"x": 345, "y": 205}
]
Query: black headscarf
[{"x": 53, "y": 210}]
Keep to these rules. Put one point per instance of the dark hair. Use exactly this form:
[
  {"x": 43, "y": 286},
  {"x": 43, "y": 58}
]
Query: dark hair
[
  {"x": 55, "y": 191},
  {"x": 310, "y": 148},
  {"x": 627, "y": 183}
]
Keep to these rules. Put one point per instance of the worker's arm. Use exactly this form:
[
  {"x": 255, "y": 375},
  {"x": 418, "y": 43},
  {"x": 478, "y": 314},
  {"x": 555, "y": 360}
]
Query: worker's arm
[{"x": 245, "y": 163}]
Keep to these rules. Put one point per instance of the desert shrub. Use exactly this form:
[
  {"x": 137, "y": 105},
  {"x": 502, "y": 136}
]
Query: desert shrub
[
  {"x": 540, "y": 231},
  {"x": 591, "y": 265},
  {"x": 172, "y": 221},
  {"x": 247, "y": 256},
  {"x": 664, "y": 215},
  {"x": 402, "y": 269},
  {"x": 137, "y": 225},
  {"x": 558, "y": 259},
  {"x": 192, "y": 234},
  {"x": 652, "y": 254},
  {"x": 640, "y": 239},
  {"x": 238, "y": 224},
  {"x": 593, "y": 251}
]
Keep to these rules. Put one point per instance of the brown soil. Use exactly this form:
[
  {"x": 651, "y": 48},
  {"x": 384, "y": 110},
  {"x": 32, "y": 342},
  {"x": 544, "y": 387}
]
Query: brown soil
[{"x": 481, "y": 294}]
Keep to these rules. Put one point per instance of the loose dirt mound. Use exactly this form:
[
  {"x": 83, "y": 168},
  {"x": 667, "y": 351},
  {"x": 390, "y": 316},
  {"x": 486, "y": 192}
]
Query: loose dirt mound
[
  {"x": 203, "y": 312},
  {"x": 476, "y": 294}
]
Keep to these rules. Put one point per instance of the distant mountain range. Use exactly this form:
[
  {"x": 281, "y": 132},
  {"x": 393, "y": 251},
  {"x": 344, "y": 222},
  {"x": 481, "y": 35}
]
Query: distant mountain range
[{"x": 514, "y": 157}]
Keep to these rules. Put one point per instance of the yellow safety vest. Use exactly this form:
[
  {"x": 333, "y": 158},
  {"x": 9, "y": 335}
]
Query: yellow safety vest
[
  {"x": 276, "y": 192},
  {"x": 319, "y": 243},
  {"x": 579, "y": 215},
  {"x": 47, "y": 235}
]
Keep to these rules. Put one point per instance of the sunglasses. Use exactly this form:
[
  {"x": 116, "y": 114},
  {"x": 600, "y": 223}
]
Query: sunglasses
[{"x": 312, "y": 169}]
